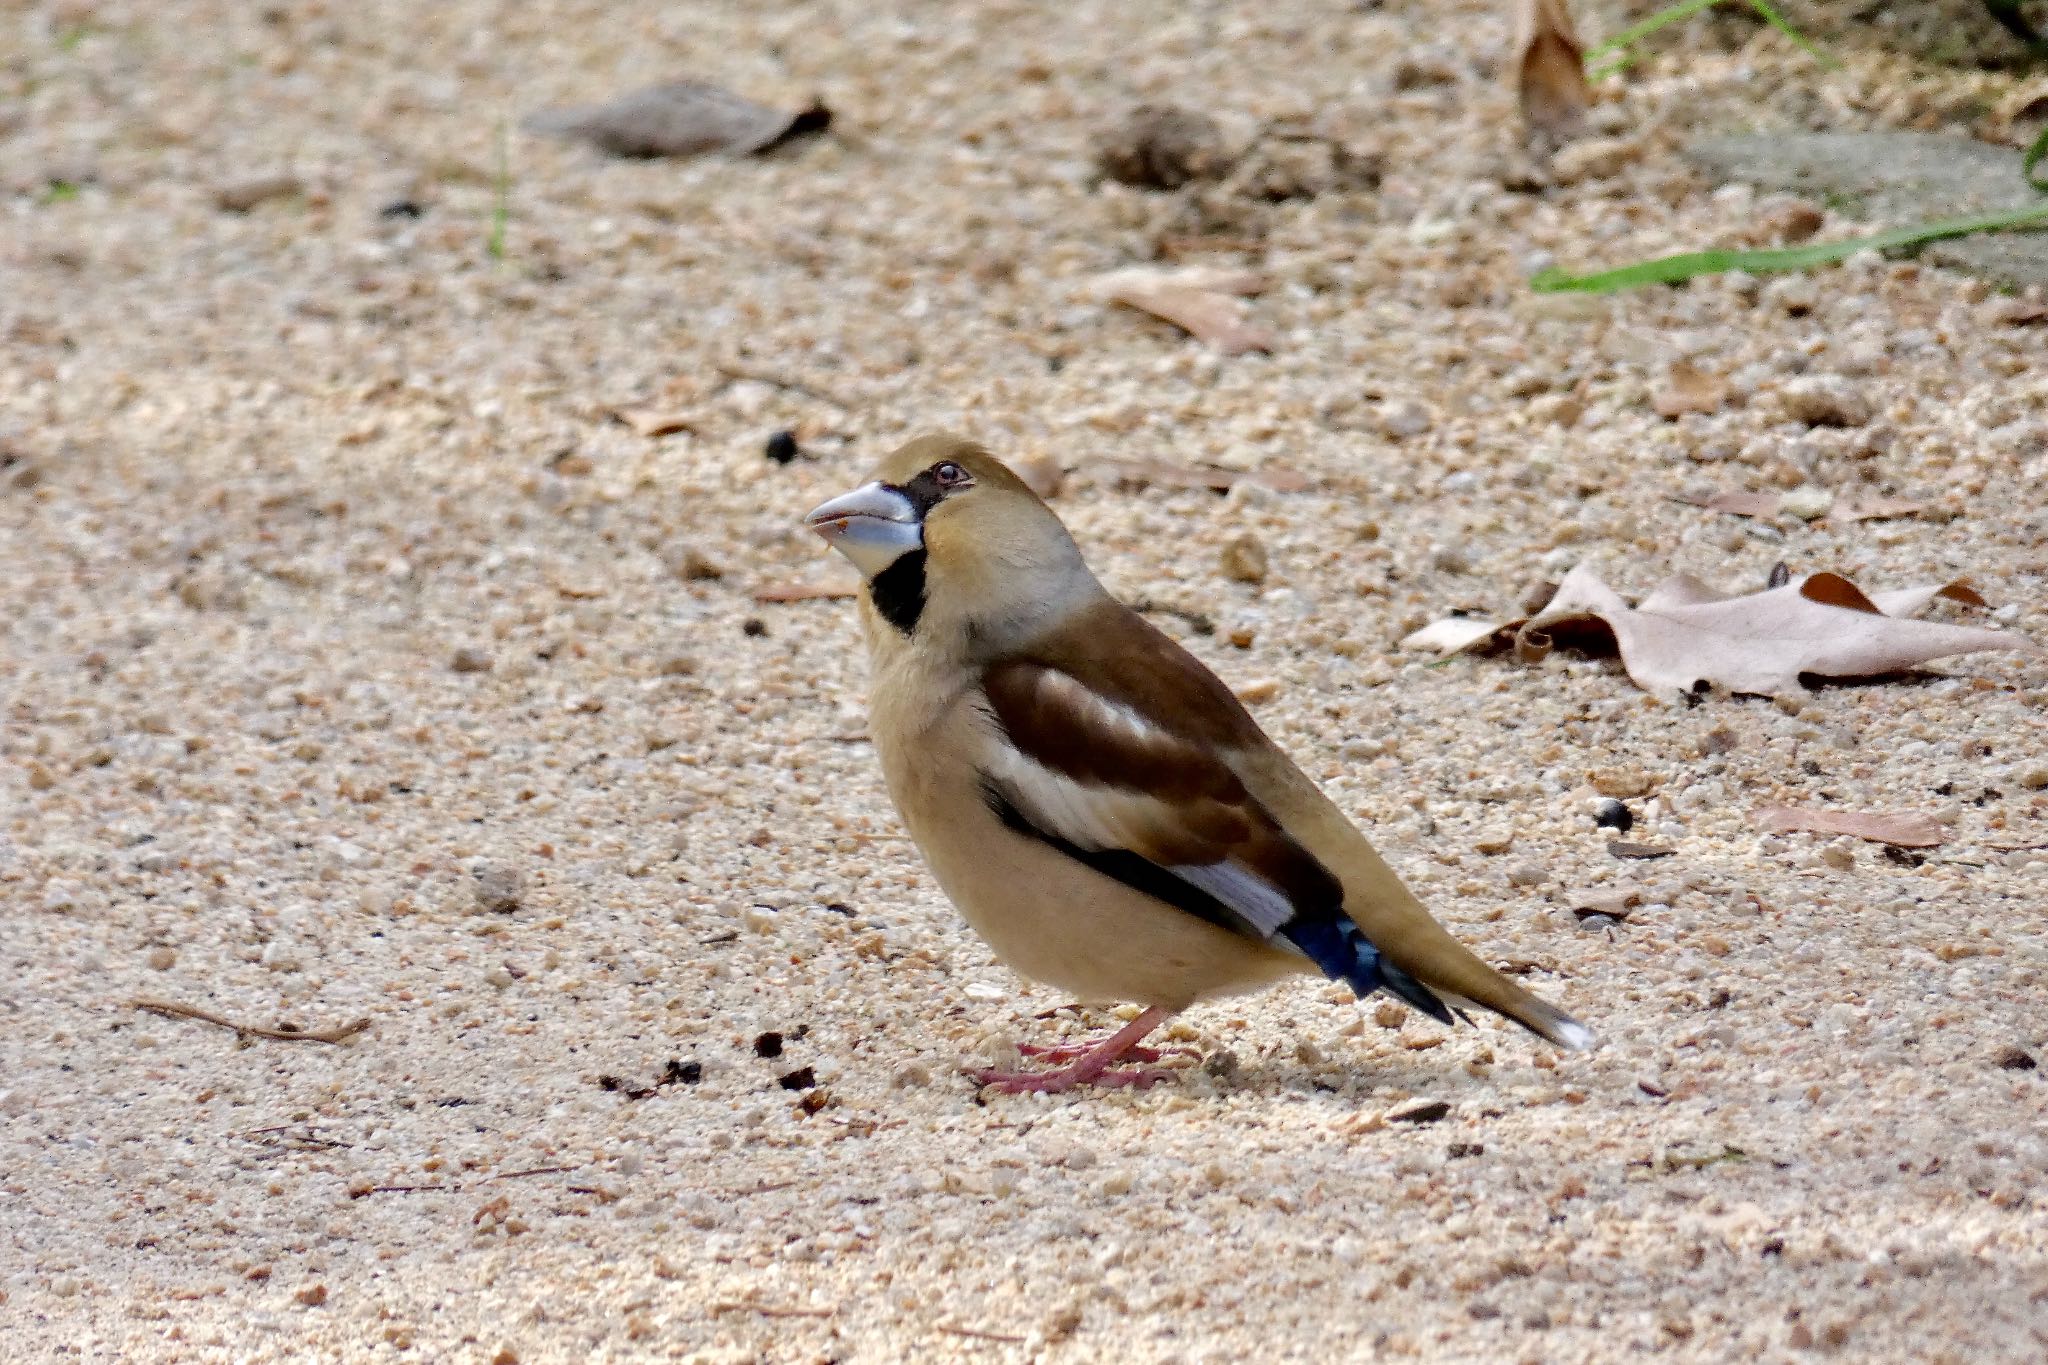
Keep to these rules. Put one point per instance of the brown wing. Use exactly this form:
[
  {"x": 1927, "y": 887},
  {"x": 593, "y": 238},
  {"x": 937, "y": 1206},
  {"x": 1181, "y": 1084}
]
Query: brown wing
[{"x": 1109, "y": 777}]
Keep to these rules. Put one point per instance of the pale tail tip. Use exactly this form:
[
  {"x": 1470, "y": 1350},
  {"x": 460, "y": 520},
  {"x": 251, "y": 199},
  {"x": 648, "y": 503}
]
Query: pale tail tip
[{"x": 1573, "y": 1036}]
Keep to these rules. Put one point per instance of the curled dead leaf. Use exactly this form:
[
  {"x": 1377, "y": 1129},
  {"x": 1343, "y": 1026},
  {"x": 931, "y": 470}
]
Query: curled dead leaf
[
  {"x": 1202, "y": 301},
  {"x": 1686, "y": 635},
  {"x": 1903, "y": 831},
  {"x": 1549, "y": 70}
]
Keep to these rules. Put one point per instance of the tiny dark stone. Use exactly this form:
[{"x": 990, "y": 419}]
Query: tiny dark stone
[
  {"x": 754, "y": 626},
  {"x": 1425, "y": 1111},
  {"x": 1612, "y": 814},
  {"x": 1781, "y": 574},
  {"x": 401, "y": 208},
  {"x": 682, "y": 1073},
  {"x": 813, "y": 1101},
  {"x": 1055, "y": 363},
  {"x": 1458, "y": 1150},
  {"x": 1622, "y": 848},
  {"x": 840, "y": 908},
  {"x": 768, "y": 1044},
  {"x": 1719, "y": 1000},
  {"x": 1774, "y": 1247},
  {"x": 1904, "y": 857},
  {"x": 610, "y": 1083},
  {"x": 2015, "y": 1058},
  {"x": 782, "y": 447},
  {"x": 803, "y": 1078}
]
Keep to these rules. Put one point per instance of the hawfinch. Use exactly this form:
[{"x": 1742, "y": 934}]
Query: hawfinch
[{"x": 1097, "y": 803}]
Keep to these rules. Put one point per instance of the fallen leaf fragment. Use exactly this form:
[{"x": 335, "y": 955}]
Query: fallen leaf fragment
[
  {"x": 1686, "y": 635},
  {"x": 1453, "y": 635},
  {"x": 803, "y": 592},
  {"x": 1549, "y": 70},
  {"x": 1735, "y": 504},
  {"x": 1200, "y": 300},
  {"x": 1164, "y": 474},
  {"x": 1687, "y": 388},
  {"x": 1612, "y": 901},
  {"x": 680, "y": 118},
  {"x": 655, "y": 422},
  {"x": 1624, "y": 848},
  {"x": 1903, "y": 831},
  {"x": 1873, "y": 507}
]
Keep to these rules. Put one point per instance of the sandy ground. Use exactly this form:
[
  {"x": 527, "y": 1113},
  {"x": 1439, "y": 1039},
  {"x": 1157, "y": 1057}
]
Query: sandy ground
[{"x": 358, "y": 663}]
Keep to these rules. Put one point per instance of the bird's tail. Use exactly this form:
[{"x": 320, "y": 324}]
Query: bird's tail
[{"x": 1455, "y": 978}]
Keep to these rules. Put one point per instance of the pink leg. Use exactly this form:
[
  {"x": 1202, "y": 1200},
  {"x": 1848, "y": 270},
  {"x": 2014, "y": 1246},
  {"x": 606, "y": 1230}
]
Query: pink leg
[{"x": 1092, "y": 1066}]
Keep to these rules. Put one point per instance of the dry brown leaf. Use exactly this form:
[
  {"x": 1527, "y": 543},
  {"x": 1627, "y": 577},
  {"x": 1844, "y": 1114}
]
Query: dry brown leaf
[
  {"x": 1688, "y": 388},
  {"x": 1163, "y": 474},
  {"x": 1905, "y": 831},
  {"x": 1197, "y": 299},
  {"x": 1686, "y": 634},
  {"x": 803, "y": 592},
  {"x": 680, "y": 118},
  {"x": 654, "y": 422},
  {"x": 1550, "y": 70}
]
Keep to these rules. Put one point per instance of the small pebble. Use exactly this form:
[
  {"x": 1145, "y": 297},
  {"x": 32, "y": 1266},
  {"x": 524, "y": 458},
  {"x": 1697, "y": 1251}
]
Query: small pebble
[
  {"x": 1824, "y": 402},
  {"x": 470, "y": 659},
  {"x": 782, "y": 447},
  {"x": 162, "y": 959},
  {"x": 1422, "y": 1111},
  {"x": 1597, "y": 921},
  {"x": 1244, "y": 559},
  {"x": 1528, "y": 874},
  {"x": 500, "y": 888},
  {"x": 2013, "y": 1057},
  {"x": 768, "y": 1044},
  {"x": 240, "y": 196}
]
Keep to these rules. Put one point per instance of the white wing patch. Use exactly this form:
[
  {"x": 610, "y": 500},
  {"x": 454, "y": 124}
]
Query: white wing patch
[{"x": 1098, "y": 818}]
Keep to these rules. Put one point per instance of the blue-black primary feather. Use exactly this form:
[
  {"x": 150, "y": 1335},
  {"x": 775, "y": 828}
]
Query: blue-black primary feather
[{"x": 1345, "y": 954}]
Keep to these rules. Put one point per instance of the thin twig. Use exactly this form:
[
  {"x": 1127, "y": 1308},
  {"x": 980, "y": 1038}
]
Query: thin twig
[
  {"x": 537, "y": 1170},
  {"x": 767, "y": 1311},
  {"x": 172, "y": 1010},
  {"x": 978, "y": 1334},
  {"x": 776, "y": 379}
]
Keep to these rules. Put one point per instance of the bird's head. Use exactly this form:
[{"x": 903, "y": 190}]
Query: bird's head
[{"x": 952, "y": 543}]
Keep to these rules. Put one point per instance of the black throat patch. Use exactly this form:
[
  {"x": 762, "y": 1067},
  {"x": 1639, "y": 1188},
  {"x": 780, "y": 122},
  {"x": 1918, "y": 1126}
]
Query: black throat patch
[{"x": 898, "y": 591}]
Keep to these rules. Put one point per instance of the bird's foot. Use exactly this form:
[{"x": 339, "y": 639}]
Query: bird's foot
[
  {"x": 1092, "y": 1064},
  {"x": 1067, "y": 1078}
]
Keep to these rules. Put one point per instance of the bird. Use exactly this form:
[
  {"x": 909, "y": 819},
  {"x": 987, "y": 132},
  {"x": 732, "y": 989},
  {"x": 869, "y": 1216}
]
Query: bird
[{"x": 1097, "y": 803}]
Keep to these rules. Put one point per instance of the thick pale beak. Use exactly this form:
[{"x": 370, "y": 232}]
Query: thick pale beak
[{"x": 874, "y": 526}]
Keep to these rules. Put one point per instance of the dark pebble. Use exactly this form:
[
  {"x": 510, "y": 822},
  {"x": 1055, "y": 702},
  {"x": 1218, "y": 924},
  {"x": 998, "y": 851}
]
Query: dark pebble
[
  {"x": 2014, "y": 1058},
  {"x": 1611, "y": 814},
  {"x": 768, "y": 1044},
  {"x": 682, "y": 1073},
  {"x": 803, "y": 1078},
  {"x": 754, "y": 626},
  {"x": 782, "y": 447},
  {"x": 1622, "y": 848},
  {"x": 401, "y": 208},
  {"x": 1459, "y": 1150}
]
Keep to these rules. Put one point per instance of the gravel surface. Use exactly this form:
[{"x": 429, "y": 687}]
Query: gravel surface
[{"x": 366, "y": 657}]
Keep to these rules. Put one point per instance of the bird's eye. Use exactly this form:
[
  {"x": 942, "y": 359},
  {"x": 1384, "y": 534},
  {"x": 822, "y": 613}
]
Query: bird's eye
[{"x": 949, "y": 475}]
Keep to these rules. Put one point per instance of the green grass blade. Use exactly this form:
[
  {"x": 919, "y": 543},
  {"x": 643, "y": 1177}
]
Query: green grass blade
[
  {"x": 501, "y": 198},
  {"x": 1676, "y": 269},
  {"x": 1634, "y": 33},
  {"x": 1778, "y": 22},
  {"x": 2033, "y": 159}
]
